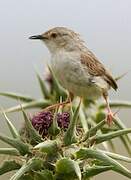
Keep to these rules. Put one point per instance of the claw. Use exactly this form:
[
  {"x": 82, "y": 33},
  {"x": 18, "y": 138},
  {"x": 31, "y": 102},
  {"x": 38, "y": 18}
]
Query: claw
[{"x": 110, "y": 117}]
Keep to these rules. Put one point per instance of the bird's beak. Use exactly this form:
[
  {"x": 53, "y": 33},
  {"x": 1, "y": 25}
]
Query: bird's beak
[{"x": 38, "y": 37}]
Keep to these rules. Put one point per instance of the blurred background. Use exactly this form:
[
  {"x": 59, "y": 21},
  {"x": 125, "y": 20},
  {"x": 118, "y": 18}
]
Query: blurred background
[{"x": 104, "y": 25}]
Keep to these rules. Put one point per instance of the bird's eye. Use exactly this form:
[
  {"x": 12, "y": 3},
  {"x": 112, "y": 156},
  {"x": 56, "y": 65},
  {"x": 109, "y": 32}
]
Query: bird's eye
[{"x": 54, "y": 35}]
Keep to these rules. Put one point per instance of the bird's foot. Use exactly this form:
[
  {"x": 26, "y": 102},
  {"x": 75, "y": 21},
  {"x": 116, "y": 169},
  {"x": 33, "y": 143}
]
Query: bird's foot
[
  {"x": 54, "y": 106},
  {"x": 110, "y": 117}
]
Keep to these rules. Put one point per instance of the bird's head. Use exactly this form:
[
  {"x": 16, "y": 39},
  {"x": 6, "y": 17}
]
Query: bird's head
[{"x": 59, "y": 37}]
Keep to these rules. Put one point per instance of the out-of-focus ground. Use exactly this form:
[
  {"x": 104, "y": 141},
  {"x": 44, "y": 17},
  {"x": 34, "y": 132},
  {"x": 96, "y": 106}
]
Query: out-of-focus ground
[{"x": 105, "y": 26}]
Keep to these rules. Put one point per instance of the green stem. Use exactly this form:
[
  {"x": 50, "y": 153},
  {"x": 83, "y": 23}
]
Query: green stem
[
  {"x": 93, "y": 130},
  {"x": 117, "y": 104}
]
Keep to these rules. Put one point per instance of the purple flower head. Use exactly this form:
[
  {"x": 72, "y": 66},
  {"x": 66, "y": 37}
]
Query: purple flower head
[
  {"x": 42, "y": 121},
  {"x": 63, "y": 120}
]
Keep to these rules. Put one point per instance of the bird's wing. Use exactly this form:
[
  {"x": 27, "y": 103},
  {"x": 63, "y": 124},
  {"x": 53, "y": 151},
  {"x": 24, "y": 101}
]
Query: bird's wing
[{"x": 96, "y": 68}]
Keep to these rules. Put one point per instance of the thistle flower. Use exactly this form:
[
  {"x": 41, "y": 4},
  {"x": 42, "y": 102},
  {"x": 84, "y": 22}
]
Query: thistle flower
[
  {"x": 42, "y": 121},
  {"x": 63, "y": 120}
]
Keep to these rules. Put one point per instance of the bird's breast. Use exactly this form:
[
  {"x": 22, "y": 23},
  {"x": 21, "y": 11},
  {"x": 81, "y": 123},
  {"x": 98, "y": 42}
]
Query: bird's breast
[
  {"x": 72, "y": 76},
  {"x": 67, "y": 68}
]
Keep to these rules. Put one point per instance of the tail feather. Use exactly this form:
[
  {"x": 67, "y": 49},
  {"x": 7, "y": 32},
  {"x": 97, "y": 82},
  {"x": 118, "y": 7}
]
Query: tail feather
[{"x": 111, "y": 81}]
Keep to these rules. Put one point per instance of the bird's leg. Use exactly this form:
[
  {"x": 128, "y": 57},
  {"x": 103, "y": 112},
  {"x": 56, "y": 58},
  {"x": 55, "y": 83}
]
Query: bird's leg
[
  {"x": 70, "y": 97},
  {"x": 54, "y": 106},
  {"x": 110, "y": 115}
]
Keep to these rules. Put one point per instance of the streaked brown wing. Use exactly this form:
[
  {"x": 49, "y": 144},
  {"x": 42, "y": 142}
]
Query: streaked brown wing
[{"x": 96, "y": 68}]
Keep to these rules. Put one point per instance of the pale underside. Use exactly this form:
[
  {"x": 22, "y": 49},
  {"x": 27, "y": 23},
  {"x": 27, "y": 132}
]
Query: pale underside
[{"x": 74, "y": 76}]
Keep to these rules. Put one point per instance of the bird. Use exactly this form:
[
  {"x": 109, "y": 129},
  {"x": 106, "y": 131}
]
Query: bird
[{"x": 76, "y": 67}]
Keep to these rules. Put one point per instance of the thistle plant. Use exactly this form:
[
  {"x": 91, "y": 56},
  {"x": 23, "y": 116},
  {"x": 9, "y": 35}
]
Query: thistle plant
[{"x": 70, "y": 142}]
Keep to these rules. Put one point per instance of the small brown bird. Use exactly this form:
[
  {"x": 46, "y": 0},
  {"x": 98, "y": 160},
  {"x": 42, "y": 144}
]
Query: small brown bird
[{"x": 76, "y": 67}]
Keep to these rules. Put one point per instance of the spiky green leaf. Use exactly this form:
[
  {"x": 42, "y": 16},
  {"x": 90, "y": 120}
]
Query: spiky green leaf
[
  {"x": 32, "y": 164},
  {"x": 12, "y": 128},
  {"x": 9, "y": 151},
  {"x": 33, "y": 134},
  {"x": 83, "y": 120},
  {"x": 120, "y": 125},
  {"x": 120, "y": 76},
  {"x": 44, "y": 175},
  {"x": 57, "y": 87},
  {"x": 70, "y": 135},
  {"x": 95, "y": 170},
  {"x": 17, "y": 96},
  {"x": 27, "y": 177},
  {"x": 40, "y": 103},
  {"x": 49, "y": 146},
  {"x": 67, "y": 168},
  {"x": 117, "y": 156},
  {"x": 105, "y": 137},
  {"x": 43, "y": 87},
  {"x": 86, "y": 153},
  {"x": 117, "y": 104},
  {"x": 16, "y": 143},
  {"x": 54, "y": 129},
  {"x": 93, "y": 130},
  {"x": 9, "y": 166}
]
